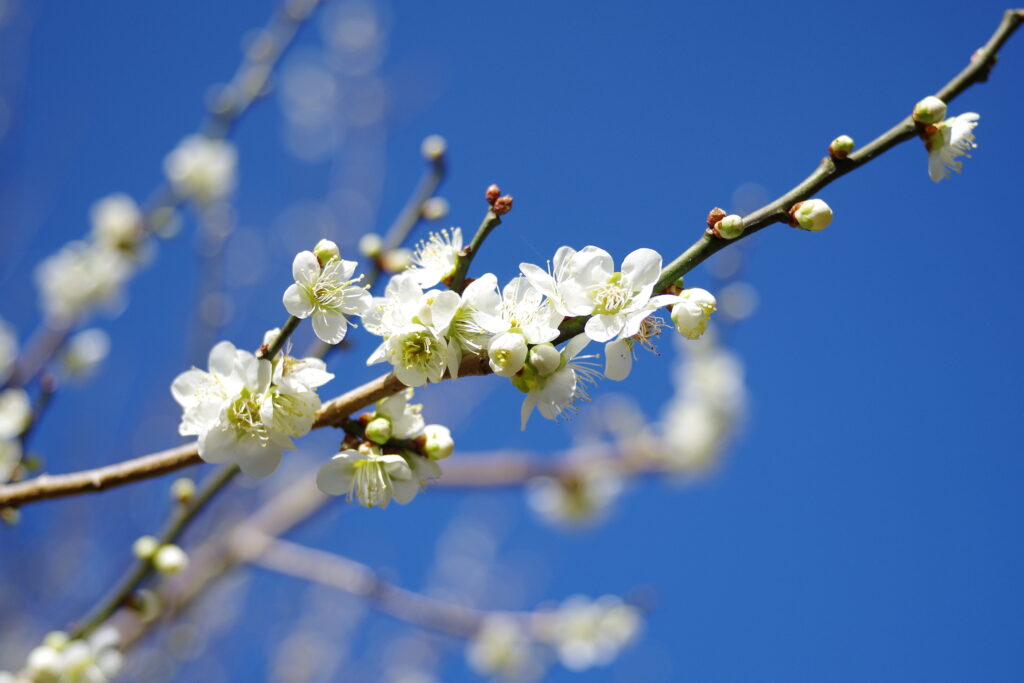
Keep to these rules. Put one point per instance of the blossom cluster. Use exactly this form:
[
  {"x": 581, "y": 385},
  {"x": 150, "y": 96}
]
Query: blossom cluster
[
  {"x": 59, "y": 659},
  {"x": 581, "y": 633},
  {"x": 946, "y": 139},
  {"x": 246, "y": 409}
]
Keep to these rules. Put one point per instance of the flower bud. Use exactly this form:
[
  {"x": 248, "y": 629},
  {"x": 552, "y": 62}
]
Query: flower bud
[
  {"x": 145, "y": 547},
  {"x": 378, "y": 430},
  {"x": 841, "y": 147},
  {"x": 502, "y": 205},
  {"x": 545, "y": 359},
  {"x": 714, "y": 215},
  {"x": 492, "y": 194},
  {"x": 45, "y": 664},
  {"x": 693, "y": 311},
  {"x": 433, "y": 147},
  {"x": 56, "y": 639},
  {"x": 397, "y": 260},
  {"x": 507, "y": 353},
  {"x": 370, "y": 245},
  {"x": 183, "y": 489},
  {"x": 930, "y": 110},
  {"x": 729, "y": 227},
  {"x": 325, "y": 251},
  {"x": 437, "y": 443},
  {"x": 435, "y": 208},
  {"x": 813, "y": 214},
  {"x": 170, "y": 559}
]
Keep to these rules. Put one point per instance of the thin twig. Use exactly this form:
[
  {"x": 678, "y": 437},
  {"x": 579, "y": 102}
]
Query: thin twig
[{"x": 489, "y": 223}]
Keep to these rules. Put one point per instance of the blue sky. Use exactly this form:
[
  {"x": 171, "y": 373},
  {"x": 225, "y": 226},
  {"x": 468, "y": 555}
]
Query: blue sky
[{"x": 867, "y": 524}]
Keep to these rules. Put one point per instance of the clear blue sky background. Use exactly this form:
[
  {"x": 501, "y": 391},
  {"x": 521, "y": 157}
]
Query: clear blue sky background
[{"x": 868, "y": 524}]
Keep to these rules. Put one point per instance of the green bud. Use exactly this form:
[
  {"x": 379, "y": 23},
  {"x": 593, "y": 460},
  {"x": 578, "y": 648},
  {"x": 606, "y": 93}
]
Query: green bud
[
  {"x": 378, "y": 430},
  {"x": 930, "y": 110},
  {"x": 730, "y": 227},
  {"x": 325, "y": 251}
]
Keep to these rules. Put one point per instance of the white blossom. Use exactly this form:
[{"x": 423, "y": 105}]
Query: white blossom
[
  {"x": 518, "y": 317},
  {"x": 202, "y": 168},
  {"x": 588, "y": 633},
  {"x": 692, "y": 312},
  {"x": 170, "y": 559},
  {"x": 501, "y": 648},
  {"x": 80, "y": 277},
  {"x": 813, "y": 215},
  {"x": 328, "y": 293},
  {"x": 245, "y": 409},
  {"x": 435, "y": 258},
  {"x": 10, "y": 458},
  {"x": 953, "y": 138},
  {"x": 556, "y": 394},
  {"x": 84, "y": 352},
  {"x": 95, "y": 659},
  {"x": 437, "y": 442},
  {"x": 374, "y": 478},
  {"x": 15, "y": 412},
  {"x": 116, "y": 222},
  {"x": 574, "y": 501},
  {"x": 8, "y": 349},
  {"x": 404, "y": 419}
]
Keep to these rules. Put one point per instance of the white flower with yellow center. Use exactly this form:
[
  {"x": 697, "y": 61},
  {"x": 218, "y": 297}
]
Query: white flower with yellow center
[
  {"x": 952, "y": 138},
  {"x": 502, "y": 648},
  {"x": 202, "y": 168},
  {"x": 560, "y": 282},
  {"x": 518, "y": 317},
  {"x": 435, "y": 258},
  {"x": 373, "y": 478},
  {"x": 328, "y": 293}
]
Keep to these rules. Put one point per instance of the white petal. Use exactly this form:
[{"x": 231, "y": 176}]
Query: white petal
[
  {"x": 618, "y": 360},
  {"x": 335, "y": 477},
  {"x": 936, "y": 168},
  {"x": 539, "y": 278},
  {"x": 329, "y": 326},
  {"x": 641, "y": 268},
  {"x": 222, "y": 359},
  {"x": 443, "y": 310},
  {"x": 356, "y": 301},
  {"x": 259, "y": 462},
  {"x": 297, "y": 302},
  {"x": 305, "y": 268},
  {"x": 592, "y": 265},
  {"x": 216, "y": 446},
  {"x": 528, "y": 404},
  {"x": 603, "y": 327},
  {"x": 575, "y": 345}
]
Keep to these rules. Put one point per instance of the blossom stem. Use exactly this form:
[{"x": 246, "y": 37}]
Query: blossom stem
[
  {"x": 287, "y": 329},
  {"x": 140, "y": 569},
  {"x": 458, "y": 278}
]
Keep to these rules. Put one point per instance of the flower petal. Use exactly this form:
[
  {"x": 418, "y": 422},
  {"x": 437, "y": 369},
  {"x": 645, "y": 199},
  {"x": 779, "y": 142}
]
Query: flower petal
[
  {"x": 618, "y": 360},
  {"x": 329, "y": 326},
  {"x": 297, "y": 302},
  {"x": 305, "y": 268},
  {"x": 641, "y": 268},
  {"x": 603, "y": 327}
]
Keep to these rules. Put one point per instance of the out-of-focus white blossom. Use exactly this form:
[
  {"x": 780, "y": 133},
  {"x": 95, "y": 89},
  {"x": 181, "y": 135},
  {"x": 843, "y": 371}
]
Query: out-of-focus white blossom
[
  {"x": 95, "y": 659},
  {"x": 952, "y": 138},
  {"x": 8, "y": 349},
  {"x": 80, "y": 277},
  {"x": 10, "y": 458},
  {"x": 435, "y": 208},
  {"x": 502, "y": 649},
  {"x": 202, "y": 168},
  {"x": 170, "y": 559},
  {"x": 433, "y": 147},
  {"x": 84, "y": 352},
  {"x": 435, "y": 258},
  {"x": 396, "y": 260},
  {"x": 15, "y": 412},
  {"x": 116, "y": 222},
  {"x": 328, "y": 293},
  {"x": 370, "y": 245},
  {"x": 589, "y": 633},
  {"x": 145, "y": 547},
  {"x": 575, "y": 501}
]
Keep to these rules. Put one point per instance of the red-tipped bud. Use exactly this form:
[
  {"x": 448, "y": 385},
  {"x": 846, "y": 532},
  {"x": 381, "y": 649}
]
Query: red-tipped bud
[
  {"x": 493, "y": 192},
  {"x": 502, "y": 205},
  {"x": 716, "y": 214}
]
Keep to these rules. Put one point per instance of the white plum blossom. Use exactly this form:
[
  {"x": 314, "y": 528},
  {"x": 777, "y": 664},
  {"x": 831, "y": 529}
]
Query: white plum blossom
[
  {"x": 435, "y": 258},
  {"x": 245, "y": 409},
  {"x": 328, "y": 293},
  {"x": 518, "y": 317},
  {"x": 170, "y": 559},
  {"x": 374, "y": 478},
  {"x": 952, "y": 138},
  {"x": 560, "y": 284},
  {"x": 437, "y": 442},
  {"x": 557, "y": 393},
  {"x": 8, "y": 349},
  {"x": 578, "y": 500},
  {"x": 80, "y": 277},
  {"x": 116, "y": 222},
  {"x": 692, "y": 311},
  {"x": 502, "y": 648},
  {"x": 95, "y": 659},
  {"x": 84, "y": 352},
  {"x": 15, "y": 412},
  {"x": 588, "y": 633},
  {"x": 397, "y": 418},
  {"x": 202, "y": 168}
]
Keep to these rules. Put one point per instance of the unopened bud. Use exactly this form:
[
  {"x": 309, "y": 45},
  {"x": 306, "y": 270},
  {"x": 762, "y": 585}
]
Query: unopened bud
[
  {"x": 145, "y": 547},
  {"x": 326, "y": 251},
  {"x": 930, "y": 110},
  {"x": 841, "y": 147},
  {"x": 147, "y": 604},
  {"x": 506, "y": 353},
  {"x": 370, "y": 245},
  {"x": 729, "y": 227},
  {"x": 435, "y": 208},
  {"x": 170, "y": 559},
  {"x": 545, "y": 359},
  {"x": 397, "y": 260},
  {"x": 493, "y": 192},
  {"x": 433, "y": 147},
  {"x": 502, "y": 205},
  {"x": 716, "y": 214},
  {"x": 183, "y": 489},
  {"x": 437, "y": 442},
  {"x": 813, "y": 214},
  {"x": 693, "y": 311},
  {"x": 378, "y": 430},
  {"x": 58, "y": 640}
]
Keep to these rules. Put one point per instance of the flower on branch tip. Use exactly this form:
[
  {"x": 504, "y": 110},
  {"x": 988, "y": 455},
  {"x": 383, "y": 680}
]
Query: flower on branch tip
[
  {"x": 692, "y": 312},
  {"x": 326, "y": 292},
  {"x": 374, "y": 478},
  {"x": 948, "y": 140},
  {"x": 202, "y": 168},
  {"x": 246, "y": 409},
  {"x": 435, "y": 258},
  {"x": 813, "y": 215},
  {"x": 433, "y": 147},
  {"x": 116, "y": 222},
  {"x": 929, "y": 110}
]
